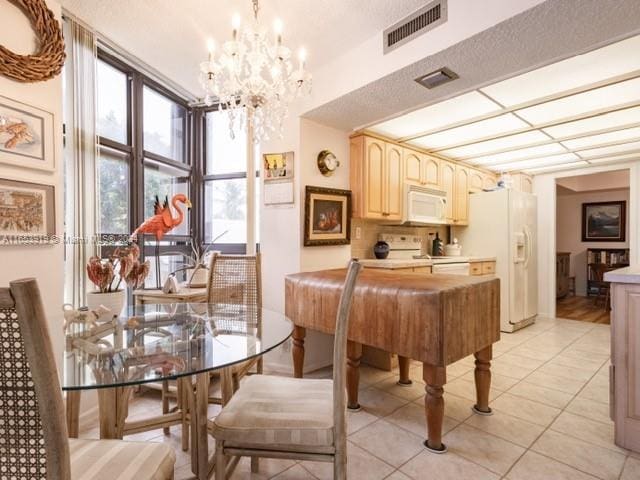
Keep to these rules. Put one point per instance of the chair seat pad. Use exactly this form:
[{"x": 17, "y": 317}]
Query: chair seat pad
[
  {"x": 120, "y": 460},
  {"x": 269, "y": 410}
]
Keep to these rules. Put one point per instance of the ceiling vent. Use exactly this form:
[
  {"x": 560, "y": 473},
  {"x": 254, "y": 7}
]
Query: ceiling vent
[
  {"x": 419, "y": 22},
  {"x": 437, "y": 78}
]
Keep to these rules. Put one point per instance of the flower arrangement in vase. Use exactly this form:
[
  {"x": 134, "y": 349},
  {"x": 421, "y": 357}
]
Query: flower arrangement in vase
[{"x": 107, "y": 274}]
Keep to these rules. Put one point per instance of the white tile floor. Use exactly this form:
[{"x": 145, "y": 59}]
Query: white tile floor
[{"x": 550, "y": 398}]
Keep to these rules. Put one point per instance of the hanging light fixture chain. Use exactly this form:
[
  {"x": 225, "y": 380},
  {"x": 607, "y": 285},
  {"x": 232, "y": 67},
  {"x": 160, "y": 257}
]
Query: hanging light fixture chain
[{"x": 256, "y": 8}]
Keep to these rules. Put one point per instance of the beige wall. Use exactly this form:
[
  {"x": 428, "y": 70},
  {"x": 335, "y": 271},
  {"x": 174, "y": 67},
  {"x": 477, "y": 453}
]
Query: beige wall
[
  {"x": 45, "y": 263},
  {"x": 569, "y": 229}
]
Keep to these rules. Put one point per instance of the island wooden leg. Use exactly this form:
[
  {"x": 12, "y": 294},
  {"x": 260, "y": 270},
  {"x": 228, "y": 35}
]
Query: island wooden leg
[
  {"x": 298, "y": 350},
  {"x": 354, "y": 354},
  {"x": 403, "y": 366},
  {"x": 435, "y": 378},
  {"x": 482, "y": 375},
  {"x": 198, "y": 404},
  {"x": 113, "y": 408},
  {"x": 73, "y": 412}
]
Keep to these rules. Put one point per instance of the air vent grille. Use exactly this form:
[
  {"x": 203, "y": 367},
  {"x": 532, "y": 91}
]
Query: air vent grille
[{"x": 419, "y": 22}]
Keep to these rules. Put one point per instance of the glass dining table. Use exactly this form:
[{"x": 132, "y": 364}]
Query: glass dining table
[{"x": 155, "y": 343}]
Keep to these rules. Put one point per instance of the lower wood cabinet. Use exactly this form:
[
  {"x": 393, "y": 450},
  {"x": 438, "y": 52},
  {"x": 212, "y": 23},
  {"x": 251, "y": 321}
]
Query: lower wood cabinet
[
  {"x": 624, "y": 373},
  {"x": 482, "y": 268}
]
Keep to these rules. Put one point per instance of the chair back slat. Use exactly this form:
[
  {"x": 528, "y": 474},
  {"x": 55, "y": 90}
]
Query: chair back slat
[
  {"x": 340, "y": 353},
  {"x": 234, "y": 280},
  {"x": 33, "y": 432}
]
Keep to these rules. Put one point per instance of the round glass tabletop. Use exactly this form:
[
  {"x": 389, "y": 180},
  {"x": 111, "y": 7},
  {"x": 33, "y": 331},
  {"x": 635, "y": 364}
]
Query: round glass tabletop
[{"x": 154, "y": 342}]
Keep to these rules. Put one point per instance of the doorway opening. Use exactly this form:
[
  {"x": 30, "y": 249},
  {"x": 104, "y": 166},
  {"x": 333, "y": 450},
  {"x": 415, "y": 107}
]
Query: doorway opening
[{"x": 592, "y": 237}]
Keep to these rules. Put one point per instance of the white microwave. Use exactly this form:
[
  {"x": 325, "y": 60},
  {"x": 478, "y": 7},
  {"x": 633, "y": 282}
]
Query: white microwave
[{"x": 424, "y": 206}]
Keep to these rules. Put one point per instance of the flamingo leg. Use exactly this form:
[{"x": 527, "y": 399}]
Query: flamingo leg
[{"x": 158, "y": 265}]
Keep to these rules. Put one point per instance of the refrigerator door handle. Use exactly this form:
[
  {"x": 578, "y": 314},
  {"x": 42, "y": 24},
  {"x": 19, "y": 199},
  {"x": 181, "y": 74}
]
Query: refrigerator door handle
[{"x": 528, "y": 251}]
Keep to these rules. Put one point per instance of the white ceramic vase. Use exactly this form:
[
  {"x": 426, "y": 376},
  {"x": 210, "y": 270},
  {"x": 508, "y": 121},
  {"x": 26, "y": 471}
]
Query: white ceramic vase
[
  {"x": 197, "y": 277},
  {"x": 114, "y": 301}
]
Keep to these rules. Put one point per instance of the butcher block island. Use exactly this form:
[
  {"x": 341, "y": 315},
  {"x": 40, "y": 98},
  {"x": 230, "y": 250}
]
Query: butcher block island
[{"x": 434, "y": 319}]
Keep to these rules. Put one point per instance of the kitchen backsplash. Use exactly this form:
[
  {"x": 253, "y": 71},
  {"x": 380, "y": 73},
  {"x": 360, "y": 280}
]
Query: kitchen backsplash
[{"x": 363, "y": 247}]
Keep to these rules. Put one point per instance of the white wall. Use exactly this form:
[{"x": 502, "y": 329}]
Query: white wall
[
  {"x": 544, "y": 186},
  {"x": 281, "y": 229},
  {"x": 569, "y": 229},
  {"x": 45, "y": 263}
]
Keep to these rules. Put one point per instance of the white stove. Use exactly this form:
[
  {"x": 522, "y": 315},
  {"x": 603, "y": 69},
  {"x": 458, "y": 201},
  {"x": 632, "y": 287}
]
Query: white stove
[{"x": 402, "y": 246}]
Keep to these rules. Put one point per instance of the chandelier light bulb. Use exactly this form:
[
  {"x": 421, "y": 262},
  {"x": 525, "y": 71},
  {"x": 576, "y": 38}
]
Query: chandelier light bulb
[
  {"x": 277, "y": 28},
  {"x": 302, "y": 56},
  {"x": 211, "y": 47},
  {"x": 236, "y": 21}
]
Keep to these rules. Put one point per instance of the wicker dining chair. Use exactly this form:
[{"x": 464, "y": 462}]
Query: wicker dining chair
[
  {"x": 33, "y": 433},
  {"x": 295, "y": 418},
  {"x": 235, "y": 282}
]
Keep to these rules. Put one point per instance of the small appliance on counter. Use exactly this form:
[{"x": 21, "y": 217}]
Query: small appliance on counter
[
  {"x": 381, "y": 249},
  {"x": 453, "y": 249}
]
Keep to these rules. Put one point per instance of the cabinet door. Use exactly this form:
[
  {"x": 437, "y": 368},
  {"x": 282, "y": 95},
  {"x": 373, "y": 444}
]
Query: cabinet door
[
  {"x": 447, "y": 182},
  {"x": 413, "y": 165},
  {"x": 461, "y": 204},
  {"x": 489, "y": 181},
  {"x": 476, "y": 182},
  {"x": 393, "y": 182},
  {"x": 431, "y": 172},
  {"x": 374, "y": 164},
  {"x": 526, "y": 184}
]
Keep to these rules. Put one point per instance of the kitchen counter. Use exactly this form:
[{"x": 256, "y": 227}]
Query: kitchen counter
[
  {"x": 623, "y": 275},
  {"x": 396, "y": 263}
]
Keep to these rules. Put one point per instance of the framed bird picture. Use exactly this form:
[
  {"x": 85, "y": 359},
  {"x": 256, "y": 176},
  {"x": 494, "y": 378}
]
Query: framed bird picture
[
  {"x": 327, "y": 216},
  {"x": 26, "y": 136}
]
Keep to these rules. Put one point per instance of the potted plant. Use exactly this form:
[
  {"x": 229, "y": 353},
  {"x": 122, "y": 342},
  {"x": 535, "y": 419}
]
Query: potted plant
[
  {"x": 108, "y": 274},
  {"x": 197, "y": 273}
]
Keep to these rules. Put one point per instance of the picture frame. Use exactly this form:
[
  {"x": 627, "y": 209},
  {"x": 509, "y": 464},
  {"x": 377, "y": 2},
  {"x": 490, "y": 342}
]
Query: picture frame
[
  {"x": 26, "y": 136},
  {"x": 277, "y": 166},
  {"x": 27, "y": 212},
  {"x": 604, "y": 221},
  {"x": 327, "y": 216}
]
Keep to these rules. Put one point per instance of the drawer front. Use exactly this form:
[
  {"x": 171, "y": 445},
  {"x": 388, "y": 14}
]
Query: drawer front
[
  {"x": 422, "y": 269},
  {"x": 475, "y": 269},
  {"x": 488, "y": 268}
]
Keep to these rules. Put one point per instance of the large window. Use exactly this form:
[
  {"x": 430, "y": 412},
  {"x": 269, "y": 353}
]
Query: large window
[
  {"x": 225, "y": 185},
  {"x": 143, "y": 154}
]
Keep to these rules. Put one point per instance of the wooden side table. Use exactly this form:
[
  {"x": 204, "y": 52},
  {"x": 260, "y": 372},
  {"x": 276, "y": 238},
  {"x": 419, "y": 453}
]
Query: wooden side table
[{"x": 184, "y": 295}]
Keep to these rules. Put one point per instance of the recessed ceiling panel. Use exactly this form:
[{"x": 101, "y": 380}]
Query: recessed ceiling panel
[
  {"x": 615, "y": 119},
  {"x": 467, "y": 106},
  {"x": 617, "y": 158},
  {"x": 607, "y": 62},
  {"x": 596, "y": 152},
  {"x": 627, "y": 134},
  {"x": 530, "y": 152},
  {"x": 482, "y": 148},
  {"x": 485, "y": 128},
  {"x": 583, "y": 103},
  {"x": 555, "y": 168},
  {"x": 536, "y": 162}
]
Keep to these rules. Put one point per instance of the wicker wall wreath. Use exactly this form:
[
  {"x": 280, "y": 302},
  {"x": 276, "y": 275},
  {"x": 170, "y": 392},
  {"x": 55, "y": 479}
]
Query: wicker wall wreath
[{"x": 47, "y": 62}]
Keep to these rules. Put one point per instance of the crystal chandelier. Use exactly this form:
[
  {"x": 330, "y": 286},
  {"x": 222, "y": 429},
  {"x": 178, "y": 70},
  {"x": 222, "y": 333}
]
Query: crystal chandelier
[{"x": 253, "y": 78}]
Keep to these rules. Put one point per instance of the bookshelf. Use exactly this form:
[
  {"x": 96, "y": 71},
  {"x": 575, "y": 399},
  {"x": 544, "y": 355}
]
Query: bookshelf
[{"x": 612, "y": 257}]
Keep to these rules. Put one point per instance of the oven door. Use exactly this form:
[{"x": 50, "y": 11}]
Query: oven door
[{"x": 425, "y": 208}]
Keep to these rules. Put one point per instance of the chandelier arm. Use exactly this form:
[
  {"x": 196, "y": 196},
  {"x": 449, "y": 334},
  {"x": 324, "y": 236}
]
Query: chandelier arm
[{"x": 256, "y": 8}]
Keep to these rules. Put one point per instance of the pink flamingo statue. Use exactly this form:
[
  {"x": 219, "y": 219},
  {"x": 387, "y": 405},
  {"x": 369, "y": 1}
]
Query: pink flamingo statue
[{"x": 161, "y": 223}]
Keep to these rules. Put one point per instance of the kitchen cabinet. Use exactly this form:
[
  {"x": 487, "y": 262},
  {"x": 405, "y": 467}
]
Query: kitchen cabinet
[
  {"x": 624, "y": 372},
  {"x": 421, "y": 169},
  {"x": 476, "y": 180},
  {"x": 482, "y": 268},
  {"x": 489, "y": 181},
  {"x": 447, "y": 184},
  {"x": 461, "y": 202},
  {"x": 377, "y": 176},
  {"x": 522, "y": 181}
]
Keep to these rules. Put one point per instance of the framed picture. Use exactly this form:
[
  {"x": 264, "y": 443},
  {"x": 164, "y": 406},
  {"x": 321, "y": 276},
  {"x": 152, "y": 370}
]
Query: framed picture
[
  {"x": 604, "y": 221},
  {"x": 278, "y": 166},
  {"x": 27, "y": 212},
  {"x": 327, "y": 216},
  {"x": 26, "y": 136}
]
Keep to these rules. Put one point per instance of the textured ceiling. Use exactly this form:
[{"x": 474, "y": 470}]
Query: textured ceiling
[
  {"x": 546, "y": 33},
  {"x": 171, "y": 36}
]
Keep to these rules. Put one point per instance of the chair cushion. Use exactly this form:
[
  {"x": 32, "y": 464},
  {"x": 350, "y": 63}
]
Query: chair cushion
[
  {"x": 278, "y": 413},
  {"x": 120, "y": 460}
]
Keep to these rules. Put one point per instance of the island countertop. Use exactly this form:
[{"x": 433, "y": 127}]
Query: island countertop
[
  {"x": 624, "y": 275},
  {"x": 398, "y": 263}
]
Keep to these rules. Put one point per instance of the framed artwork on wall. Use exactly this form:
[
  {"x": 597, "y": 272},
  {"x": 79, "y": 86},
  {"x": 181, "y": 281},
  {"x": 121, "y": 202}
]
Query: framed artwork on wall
[
  {"x": 27, "y": 212},
  {"x": 604, "y": 221},
  {"x": 327, "y": 216},
  {"x": 26, "y": 136}
]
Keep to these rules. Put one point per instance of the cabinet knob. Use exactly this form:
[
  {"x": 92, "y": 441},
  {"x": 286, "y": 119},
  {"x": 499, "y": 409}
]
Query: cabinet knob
[{"x": 385, "y": 214}]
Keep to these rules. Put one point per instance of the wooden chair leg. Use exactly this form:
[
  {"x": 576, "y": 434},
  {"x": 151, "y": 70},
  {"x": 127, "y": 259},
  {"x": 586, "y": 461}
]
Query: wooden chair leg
[
  {"x": 221, "y": 461},
  {"x": 340, "y": 467},
  {"x": 255, "y": 464},
  {"x": 165, "y": 403}
]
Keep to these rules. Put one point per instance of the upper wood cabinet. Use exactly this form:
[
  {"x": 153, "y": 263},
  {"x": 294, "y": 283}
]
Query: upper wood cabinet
[
  {"x": 476, "y": 180},
  {"x": 377, "y": 175},
  {"x": 461, "y": 204},
  {"x": 421, "y": 169},
  {"x": 447, "y": 183},
  {"x": 489, "y": 180},
  {"x": 522, "y": 181}
]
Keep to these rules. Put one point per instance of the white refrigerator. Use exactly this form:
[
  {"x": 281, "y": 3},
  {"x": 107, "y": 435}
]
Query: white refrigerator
[{"x": 502, "y": 224}]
